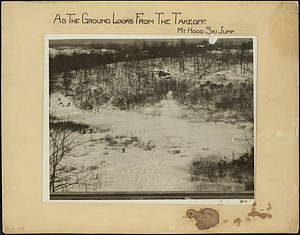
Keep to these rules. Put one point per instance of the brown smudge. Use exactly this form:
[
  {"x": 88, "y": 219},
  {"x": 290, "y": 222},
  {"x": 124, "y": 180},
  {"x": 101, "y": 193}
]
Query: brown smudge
[
  {"x": 261, "y": 215},
  {"x": 255, "y": 213},
  {"x": 237, "y": 221},
  {"x": 248, "y": 219},
  {"x": 190, "y": 213},
  {"x": 253, "y": 206},
  {"x": 206, "y": 218}
]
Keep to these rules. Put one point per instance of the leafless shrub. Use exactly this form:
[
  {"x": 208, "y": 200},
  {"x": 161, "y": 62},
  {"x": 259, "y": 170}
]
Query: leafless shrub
[
  {"x": 241, "y": 169},
  {"x": 150, "y": 145},
  {"x": 62, "y": 144},
  {"x": 203, "y": 167}
]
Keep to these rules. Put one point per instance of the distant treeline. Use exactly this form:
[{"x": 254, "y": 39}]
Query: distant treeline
[{"x": 139, "y": 50}]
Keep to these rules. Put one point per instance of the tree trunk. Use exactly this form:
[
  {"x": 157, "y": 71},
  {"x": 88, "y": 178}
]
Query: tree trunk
[{"x": 52, "y": 180}]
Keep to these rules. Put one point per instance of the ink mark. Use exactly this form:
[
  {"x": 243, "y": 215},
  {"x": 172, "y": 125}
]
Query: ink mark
[{"x": 206, "y": 218}]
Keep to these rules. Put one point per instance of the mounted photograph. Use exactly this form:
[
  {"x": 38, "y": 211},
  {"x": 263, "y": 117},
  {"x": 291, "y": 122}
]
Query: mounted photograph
[{"x": 149, "y": 117}]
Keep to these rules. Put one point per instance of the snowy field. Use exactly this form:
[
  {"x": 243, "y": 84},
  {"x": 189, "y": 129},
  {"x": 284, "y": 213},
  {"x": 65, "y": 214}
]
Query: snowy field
[{"x": 163, "y": 168}]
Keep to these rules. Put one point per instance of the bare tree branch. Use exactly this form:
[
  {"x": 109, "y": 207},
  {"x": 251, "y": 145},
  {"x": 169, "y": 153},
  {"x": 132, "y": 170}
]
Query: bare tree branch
[{"x": 62, "y": 144}]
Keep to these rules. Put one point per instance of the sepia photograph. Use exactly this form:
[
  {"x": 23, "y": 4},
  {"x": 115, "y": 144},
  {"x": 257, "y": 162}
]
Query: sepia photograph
[{"x": 149, "y": 117}]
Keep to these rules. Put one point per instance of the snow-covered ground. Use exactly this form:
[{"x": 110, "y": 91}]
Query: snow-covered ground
[{"x": 163, "y": 168}]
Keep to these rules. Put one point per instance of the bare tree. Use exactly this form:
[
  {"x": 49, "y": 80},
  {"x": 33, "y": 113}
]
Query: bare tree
[{"x": 62, "y": 175}]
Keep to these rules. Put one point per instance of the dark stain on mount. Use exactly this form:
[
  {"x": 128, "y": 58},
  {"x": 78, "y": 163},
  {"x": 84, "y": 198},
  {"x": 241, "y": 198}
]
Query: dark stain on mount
[
  {"x": 237, "y": 221},
  {"x": 255, "y": 213},
  {"x": 261, "y": 215},
  {"x": 206, "y": 218}
]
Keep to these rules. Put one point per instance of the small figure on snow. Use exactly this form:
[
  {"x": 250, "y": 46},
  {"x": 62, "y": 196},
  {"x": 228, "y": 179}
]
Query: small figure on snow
[{"x": 123, "y": 149}]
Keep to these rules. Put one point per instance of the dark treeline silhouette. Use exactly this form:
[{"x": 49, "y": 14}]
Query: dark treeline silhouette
[{"x": 139, "y": 50}]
